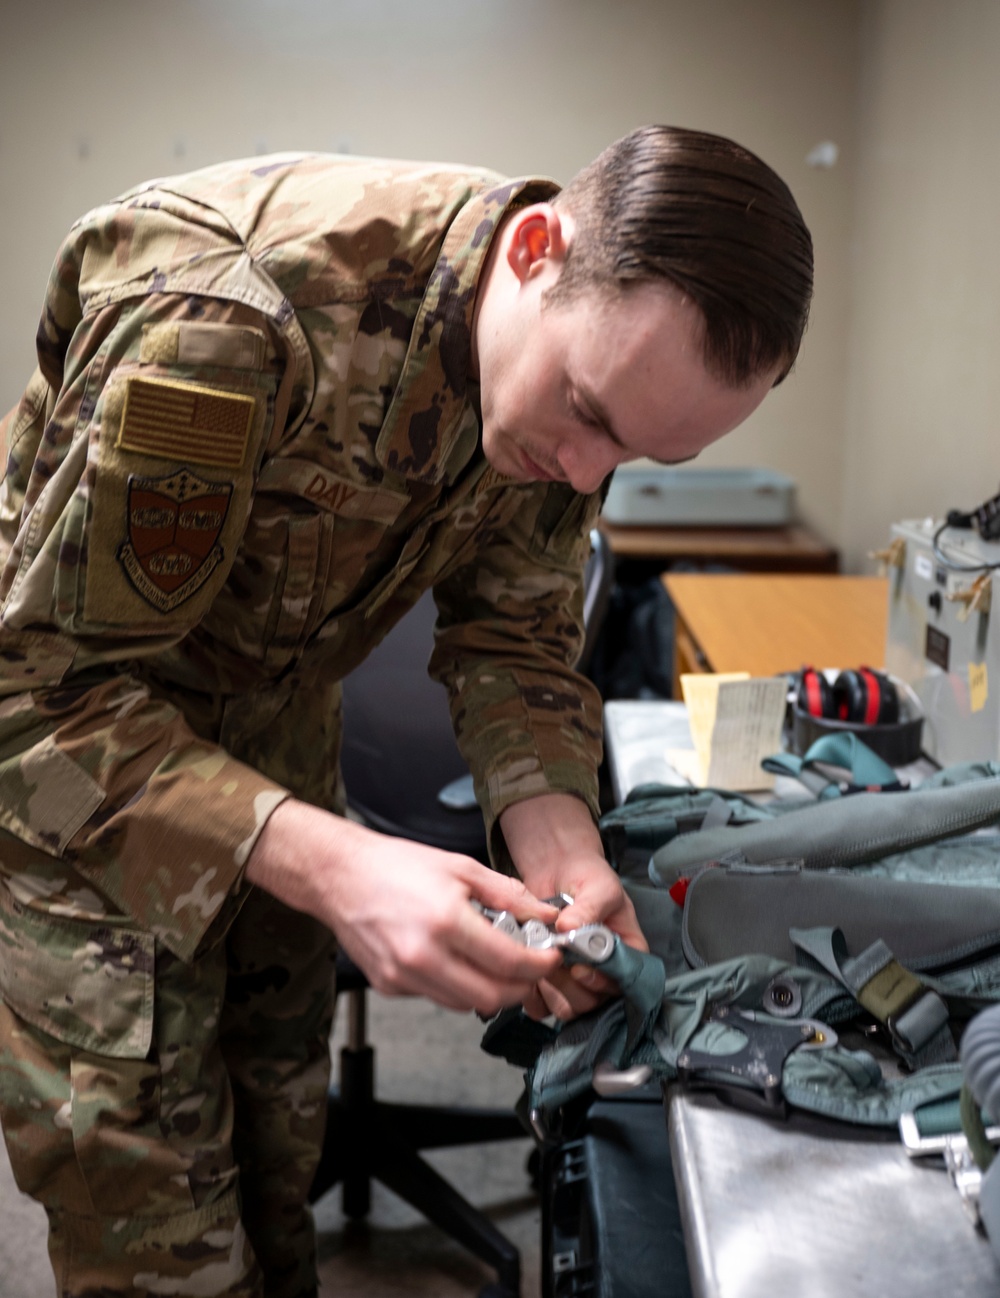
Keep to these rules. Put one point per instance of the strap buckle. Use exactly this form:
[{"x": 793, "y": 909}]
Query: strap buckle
[
  {"x": 916, "y": 1023},
  {"x": 918, "y": 1145},
  {"x": 751, "y": 1077}
]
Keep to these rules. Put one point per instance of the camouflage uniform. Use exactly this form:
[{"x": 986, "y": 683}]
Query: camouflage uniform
[{"x": 250, "y": 445}]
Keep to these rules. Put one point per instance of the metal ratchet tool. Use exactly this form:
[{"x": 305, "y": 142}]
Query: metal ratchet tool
[{"x": 591, "y": 943}]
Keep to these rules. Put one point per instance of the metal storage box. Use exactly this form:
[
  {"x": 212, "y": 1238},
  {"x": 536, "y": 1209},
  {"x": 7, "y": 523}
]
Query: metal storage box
[
  {"x": 948, "y": 655},
  {"x": 652, "y": 495}
]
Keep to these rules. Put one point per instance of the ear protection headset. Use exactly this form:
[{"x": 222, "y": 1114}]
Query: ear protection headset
[{"x": 863, "y": 697}]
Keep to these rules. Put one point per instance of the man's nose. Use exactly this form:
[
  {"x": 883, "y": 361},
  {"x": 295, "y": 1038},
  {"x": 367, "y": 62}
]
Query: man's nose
[{"x": 587, "y": 465}]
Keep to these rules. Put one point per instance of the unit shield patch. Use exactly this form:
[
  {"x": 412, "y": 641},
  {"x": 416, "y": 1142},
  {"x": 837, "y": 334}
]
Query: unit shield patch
[{"x": 173, "y": 535}]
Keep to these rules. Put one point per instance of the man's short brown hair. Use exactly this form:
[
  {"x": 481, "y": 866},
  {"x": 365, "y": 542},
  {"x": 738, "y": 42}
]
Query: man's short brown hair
[{"x": 711, "y": 218}]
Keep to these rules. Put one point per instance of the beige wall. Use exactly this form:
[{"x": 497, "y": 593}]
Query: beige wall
[
  {"x": 97, "y": 96},
  {"x": 922, "y": 431},
  {"x": 893, "y": 408}
]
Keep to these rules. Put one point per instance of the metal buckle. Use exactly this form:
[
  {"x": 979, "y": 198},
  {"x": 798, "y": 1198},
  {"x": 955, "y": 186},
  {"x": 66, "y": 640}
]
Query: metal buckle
[
  {"x": 918, "y": 1146},
  {"x": 953, "y": 1146},
  {"x": 966, "y": 1175},
  {"x": 751, "y": 1076},
  {"x": 591, "y": 944}
]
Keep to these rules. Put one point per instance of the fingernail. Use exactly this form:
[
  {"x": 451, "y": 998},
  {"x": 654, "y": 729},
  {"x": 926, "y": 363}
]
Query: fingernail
[{"x": 582, "y": 974}]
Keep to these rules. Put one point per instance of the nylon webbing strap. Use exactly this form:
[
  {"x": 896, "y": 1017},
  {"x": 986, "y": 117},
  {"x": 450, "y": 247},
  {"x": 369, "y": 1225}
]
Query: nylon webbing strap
[
  {"x": 640, "y": 976},
  {"x": 916, "y": 1016},
  {"x": 939, "y": 1118},
  {"x": 718, "y": 815},
  {"x": 867, "y": 770}
]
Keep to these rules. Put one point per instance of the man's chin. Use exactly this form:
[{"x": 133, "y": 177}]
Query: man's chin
[{"x": 506, "y": 460}]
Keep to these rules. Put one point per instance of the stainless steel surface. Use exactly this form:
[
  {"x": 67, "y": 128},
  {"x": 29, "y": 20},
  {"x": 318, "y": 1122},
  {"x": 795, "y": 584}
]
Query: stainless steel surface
[{"x": 772, "y": 1211}]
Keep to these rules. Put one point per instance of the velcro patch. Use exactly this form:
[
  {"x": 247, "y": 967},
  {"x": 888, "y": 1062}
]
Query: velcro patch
[{"x": 186, "y": 422}]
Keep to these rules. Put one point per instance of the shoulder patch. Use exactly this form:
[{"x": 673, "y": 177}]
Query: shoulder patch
[
  {"x": 185, "y": 421},
  {"x": 173, "y": 546}
]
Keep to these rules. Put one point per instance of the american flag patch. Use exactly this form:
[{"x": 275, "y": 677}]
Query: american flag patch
[{"x": 185, "y": 422}]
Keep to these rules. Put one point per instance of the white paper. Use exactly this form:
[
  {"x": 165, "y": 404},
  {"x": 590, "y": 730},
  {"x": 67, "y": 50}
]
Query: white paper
[{"x": 736, "y": 721}]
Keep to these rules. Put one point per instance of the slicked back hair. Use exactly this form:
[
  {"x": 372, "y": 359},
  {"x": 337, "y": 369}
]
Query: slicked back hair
[{"x": 709, "y": 217}]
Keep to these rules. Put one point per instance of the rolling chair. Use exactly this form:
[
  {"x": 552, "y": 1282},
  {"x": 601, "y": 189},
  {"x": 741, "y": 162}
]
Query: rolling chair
[{"x": 405, "y": 776}]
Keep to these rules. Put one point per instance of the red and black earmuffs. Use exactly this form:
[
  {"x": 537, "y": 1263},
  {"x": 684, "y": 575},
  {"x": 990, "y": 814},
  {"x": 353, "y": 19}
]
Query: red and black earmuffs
[{"x": 863, "y": 697}]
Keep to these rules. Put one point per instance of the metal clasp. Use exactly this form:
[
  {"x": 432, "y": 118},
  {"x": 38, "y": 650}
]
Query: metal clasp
[{"x": 589, "y": 944}]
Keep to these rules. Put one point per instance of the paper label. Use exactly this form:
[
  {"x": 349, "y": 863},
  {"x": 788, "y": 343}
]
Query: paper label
[
  {"x": 736, "y": 722},
  {"x": 978, "y": 690}
]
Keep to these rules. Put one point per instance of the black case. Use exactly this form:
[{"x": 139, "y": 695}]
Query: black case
[{"x": 611, "y": 1225}]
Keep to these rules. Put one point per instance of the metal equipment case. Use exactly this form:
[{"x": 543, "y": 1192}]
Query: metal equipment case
[
  {"x": 645, "y": 494},
  {"x": 943, "y": 640}
]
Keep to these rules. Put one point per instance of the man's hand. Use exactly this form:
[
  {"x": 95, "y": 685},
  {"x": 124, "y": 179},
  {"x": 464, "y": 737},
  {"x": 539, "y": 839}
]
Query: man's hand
[
  {"x": 556, "y": 847},
  {"x": 401, "y": 910}
]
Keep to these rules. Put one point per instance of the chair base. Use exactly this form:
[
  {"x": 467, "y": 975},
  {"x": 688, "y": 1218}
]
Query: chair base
[{"x": 370, "y": 1139}]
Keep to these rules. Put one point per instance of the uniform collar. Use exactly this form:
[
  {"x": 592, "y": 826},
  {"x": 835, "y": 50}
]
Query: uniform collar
[{"x": 424, "y": 437}]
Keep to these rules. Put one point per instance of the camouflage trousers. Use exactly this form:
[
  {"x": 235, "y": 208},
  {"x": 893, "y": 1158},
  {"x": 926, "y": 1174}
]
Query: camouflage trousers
[{"x": 172, "y": 1131}]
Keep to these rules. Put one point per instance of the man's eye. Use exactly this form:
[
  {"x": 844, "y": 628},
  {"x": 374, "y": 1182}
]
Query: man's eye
[{"x": 581, "y": 415}]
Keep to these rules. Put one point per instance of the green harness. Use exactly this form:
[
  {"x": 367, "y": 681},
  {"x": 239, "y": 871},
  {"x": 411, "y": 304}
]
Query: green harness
[{"x": 823, "y": 954}]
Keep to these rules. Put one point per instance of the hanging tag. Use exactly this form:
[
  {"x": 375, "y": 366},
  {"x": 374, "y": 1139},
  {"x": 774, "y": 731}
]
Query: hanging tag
[{"x": 978, "y": 686}]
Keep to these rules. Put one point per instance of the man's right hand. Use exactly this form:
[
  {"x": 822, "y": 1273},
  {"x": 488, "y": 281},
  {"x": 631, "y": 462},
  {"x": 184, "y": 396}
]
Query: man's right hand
[{"x": 401, "y": 910}]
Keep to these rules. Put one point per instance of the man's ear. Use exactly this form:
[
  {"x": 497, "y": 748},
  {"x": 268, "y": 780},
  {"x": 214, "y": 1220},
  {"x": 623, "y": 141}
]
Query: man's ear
[{"x": 539, "y": 234}]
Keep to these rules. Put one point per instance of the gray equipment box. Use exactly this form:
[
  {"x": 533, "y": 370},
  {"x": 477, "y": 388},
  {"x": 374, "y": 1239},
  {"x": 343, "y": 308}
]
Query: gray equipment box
[
  {"x": 660, "y": 495},
  {"x": 947, "y": 654}
]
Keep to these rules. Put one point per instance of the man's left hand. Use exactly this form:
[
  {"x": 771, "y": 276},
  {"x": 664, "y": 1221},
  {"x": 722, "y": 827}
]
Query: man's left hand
[{"x": 557, "y": 850}]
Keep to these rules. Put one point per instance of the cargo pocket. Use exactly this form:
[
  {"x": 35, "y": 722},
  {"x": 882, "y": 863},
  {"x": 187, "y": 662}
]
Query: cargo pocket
[
  {"x": 89, "y": 984},
  {"x": 81, "y": 1084}
]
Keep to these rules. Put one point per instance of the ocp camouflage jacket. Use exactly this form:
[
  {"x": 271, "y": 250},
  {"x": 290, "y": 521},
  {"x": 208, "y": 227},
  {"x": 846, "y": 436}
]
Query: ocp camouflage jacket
[{"x": 250, "y": 445}]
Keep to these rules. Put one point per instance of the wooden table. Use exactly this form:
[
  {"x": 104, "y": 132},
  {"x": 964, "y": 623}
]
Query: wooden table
[
  {"x": 770, "y": 623},
  {"x": 795, "y": 548}
]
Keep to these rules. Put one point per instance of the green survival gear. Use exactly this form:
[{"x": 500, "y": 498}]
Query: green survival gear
[{"x": 822, "y": 954}]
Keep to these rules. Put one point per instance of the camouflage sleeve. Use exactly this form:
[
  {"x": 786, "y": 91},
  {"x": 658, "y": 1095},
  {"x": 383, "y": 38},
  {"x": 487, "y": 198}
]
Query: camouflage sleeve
[
  {"x": 510, "y": 629},
  {"x": 130, "y": 468}
]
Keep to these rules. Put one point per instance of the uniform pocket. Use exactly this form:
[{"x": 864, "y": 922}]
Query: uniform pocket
[
  {"x": 272, "y": 599},
  {"x": 564, "y": 522},
  {"x": 87, "y": 983},
  {"x": 102, "y": 1113}
]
